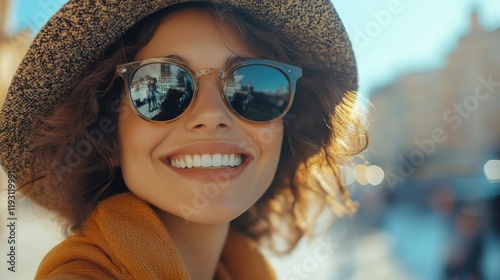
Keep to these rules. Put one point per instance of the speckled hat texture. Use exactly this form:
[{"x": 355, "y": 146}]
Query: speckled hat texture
[{"x": 75, "y": 37}]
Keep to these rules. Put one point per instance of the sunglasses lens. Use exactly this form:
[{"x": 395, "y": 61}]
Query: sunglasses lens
[
  {"x": 161, "y": 91},
  {"x": 258, "y": 92}
]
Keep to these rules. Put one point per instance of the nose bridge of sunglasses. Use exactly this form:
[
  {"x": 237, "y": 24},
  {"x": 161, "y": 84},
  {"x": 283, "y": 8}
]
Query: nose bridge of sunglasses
[{"x": 209, "y": 72}]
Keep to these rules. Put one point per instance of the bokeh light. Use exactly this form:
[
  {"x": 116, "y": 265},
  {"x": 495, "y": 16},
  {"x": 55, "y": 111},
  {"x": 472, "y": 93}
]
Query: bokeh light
[
  {"x": 492, "y": 170},
  {"x": 374, "y": 175},
  {"x": 361, "y": 174},
  {"x": 349, "y": 175}
]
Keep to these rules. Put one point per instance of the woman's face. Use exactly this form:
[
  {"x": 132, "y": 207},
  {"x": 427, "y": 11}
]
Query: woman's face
[{"x": 207, "y": 130}]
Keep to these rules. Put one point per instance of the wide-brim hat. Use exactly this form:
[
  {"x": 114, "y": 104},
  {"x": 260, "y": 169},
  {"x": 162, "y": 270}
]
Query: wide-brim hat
[{"x": 77, "y": 35}]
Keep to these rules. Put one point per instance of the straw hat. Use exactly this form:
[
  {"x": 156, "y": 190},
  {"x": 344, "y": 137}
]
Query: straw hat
[{"x": 76, "y": 36}]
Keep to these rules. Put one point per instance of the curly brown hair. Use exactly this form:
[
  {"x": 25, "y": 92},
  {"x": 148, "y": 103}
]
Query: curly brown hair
[{"x": 75, "y": 151}]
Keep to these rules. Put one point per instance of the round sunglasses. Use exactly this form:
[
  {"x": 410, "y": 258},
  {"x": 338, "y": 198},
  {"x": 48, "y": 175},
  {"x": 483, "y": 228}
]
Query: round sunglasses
[{"x": 257, "y": 90}]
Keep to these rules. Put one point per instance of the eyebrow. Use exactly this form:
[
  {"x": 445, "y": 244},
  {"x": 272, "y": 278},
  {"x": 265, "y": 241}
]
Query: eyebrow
[
  {"x": 230, "y": 61},
  {"x": 178, "y": 57}
]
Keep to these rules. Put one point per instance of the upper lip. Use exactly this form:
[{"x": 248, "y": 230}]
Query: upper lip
[{"x": 209, "y": 148}]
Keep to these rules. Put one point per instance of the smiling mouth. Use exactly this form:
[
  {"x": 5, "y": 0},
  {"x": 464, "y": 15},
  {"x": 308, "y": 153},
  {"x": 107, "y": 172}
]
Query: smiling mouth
[{"x": 206, "y": 160}]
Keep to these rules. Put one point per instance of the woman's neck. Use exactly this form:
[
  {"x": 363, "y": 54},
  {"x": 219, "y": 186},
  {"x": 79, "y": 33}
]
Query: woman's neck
[{"x": 199, "y": 245}]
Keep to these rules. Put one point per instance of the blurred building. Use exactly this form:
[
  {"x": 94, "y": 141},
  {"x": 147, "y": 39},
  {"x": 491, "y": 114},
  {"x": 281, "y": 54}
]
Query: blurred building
[
  {"x": 12, "y": 48},
  {"x": 441, "y": 123}
]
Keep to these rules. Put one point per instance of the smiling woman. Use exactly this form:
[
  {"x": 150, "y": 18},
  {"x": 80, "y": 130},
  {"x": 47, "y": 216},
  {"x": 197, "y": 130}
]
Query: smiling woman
[
  {"x": 169, "y": 158},
  {"x": 206, "y": 129}
]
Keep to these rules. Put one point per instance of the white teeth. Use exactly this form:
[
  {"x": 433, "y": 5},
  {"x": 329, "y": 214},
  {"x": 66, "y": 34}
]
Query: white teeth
[
  {"x": 189, "y": 162},
  {"x": 207, "y": 160},
  {"x": 231, "y": 160},
  {"x": 196, "y": 160},
  {"x": 217, "y": 160}
]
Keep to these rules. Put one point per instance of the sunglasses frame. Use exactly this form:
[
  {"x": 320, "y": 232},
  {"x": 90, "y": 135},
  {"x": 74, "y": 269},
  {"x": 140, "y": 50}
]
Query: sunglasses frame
[{"x": 292, "y": 74}]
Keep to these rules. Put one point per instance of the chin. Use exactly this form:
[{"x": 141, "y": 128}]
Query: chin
[{"x": 215, "y": 215}]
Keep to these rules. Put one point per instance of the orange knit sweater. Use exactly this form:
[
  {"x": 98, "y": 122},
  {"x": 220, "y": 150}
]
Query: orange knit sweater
[{"x": 124, "y": 239}]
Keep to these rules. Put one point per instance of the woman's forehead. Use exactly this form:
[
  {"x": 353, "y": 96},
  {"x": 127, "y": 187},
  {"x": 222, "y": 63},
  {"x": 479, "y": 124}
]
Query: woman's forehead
[{"x": 196, "y": 36}]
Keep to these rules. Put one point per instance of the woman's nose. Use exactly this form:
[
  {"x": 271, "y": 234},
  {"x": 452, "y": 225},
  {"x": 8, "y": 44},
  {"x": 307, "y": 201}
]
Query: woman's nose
[{"x": 208, "y": 112}]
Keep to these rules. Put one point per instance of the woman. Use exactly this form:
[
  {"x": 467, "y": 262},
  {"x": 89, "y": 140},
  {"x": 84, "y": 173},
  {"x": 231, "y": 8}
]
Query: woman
[{"x": 184, "y": 193}]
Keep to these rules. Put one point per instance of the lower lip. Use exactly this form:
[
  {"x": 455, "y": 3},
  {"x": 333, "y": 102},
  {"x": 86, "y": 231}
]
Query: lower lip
[{"x": 210, "y": 174}]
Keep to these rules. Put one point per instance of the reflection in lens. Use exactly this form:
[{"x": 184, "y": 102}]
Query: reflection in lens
[
  {"x": 161, "y": 91},
  {"x": 258, "y": 92}
]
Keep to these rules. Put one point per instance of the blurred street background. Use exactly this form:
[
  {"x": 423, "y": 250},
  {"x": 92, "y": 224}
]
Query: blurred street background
[{"x": 428, "y": 186}]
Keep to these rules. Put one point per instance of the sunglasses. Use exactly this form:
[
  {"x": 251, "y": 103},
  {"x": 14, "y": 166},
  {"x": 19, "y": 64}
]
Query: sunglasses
[{"x": 256, "y": 90}]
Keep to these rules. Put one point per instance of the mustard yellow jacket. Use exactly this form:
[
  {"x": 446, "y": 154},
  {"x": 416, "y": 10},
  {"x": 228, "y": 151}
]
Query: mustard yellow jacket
[{"x": 124, "y": 239}]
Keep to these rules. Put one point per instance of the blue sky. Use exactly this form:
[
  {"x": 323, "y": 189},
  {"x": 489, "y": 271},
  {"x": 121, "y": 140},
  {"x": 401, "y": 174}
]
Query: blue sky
[
  {"x": 419, "y": 35},
  {"x": 391, "y": 37}
]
